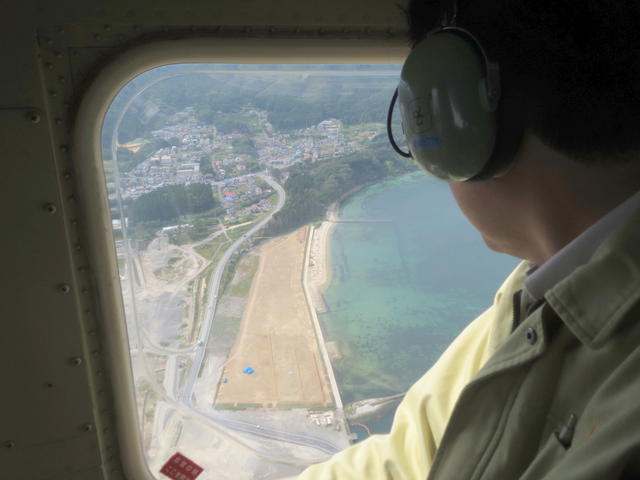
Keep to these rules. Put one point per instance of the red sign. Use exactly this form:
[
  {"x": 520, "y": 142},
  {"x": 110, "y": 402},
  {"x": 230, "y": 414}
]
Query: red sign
[{"x": 180, "y": 467}]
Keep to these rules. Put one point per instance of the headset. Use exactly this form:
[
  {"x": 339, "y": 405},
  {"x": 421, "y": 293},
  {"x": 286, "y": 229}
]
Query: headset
[{"x": 448, "y": 95}]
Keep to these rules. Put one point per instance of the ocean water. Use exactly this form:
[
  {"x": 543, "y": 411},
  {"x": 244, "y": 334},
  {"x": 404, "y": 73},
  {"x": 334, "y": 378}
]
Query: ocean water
[{"x": 403, "y": 286}]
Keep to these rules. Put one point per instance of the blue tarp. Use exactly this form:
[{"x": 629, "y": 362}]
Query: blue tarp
[{"x": 248, "y": 370}]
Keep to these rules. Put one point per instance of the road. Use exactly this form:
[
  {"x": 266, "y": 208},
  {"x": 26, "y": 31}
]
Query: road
[
  {"x": 214, "y": 286},
  {"x": 186, "y": 396},
  {"x": 272, "y": 434}
]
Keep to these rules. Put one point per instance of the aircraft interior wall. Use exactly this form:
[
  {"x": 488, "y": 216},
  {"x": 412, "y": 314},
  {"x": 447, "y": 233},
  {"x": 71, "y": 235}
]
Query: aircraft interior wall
[{"x": 62, "y": 401}]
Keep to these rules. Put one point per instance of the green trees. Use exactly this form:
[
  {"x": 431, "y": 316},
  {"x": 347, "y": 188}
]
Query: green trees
[
  {"x": 303, "y": 102},
  {"x": 172, "y": 202},
  {"x": 226, "y": 122},
  {"x": 125, "y": 159},
  {"x": 253, "y": 165},
  {"x": 312, "y": 188},
  {"x": 293, "y": 101},
  {"x": 205, "y": 164},
  {"x": 244, "y": 146},
  {"x": 128, "y": 160},
  {"x": 234, "y": 103}
]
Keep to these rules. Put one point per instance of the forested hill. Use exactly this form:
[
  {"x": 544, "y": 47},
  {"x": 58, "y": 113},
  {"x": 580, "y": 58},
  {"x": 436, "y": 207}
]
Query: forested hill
[
  {"x": 171, "y": 202},
  {"x": 311, "y": 188},
  {"x": 293, "y": 99}
]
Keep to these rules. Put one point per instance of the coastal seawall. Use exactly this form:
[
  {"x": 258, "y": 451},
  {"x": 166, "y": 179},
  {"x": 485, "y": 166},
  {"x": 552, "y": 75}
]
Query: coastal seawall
[
  {"x": 364, "y": 408},
  {"x": 316, "y": 322}
]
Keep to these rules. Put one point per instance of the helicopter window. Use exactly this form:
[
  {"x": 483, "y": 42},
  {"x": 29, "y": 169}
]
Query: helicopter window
[{"x": 285, "y": 276}]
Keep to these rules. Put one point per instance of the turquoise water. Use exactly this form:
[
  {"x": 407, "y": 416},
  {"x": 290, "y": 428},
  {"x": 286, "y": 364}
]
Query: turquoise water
[{"x": 401, "y": 290}]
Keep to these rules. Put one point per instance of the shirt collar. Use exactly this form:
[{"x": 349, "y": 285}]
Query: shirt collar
[
  {"x": 595, "y": 299},
  {"x": 579, "y": 250}
]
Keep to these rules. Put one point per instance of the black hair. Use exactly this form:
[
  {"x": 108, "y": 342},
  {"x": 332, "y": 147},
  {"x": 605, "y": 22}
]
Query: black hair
[{"x": 577, "y": 63}]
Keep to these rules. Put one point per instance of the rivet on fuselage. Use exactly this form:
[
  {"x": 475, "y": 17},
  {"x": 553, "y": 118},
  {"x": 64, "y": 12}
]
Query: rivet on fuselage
[{"x": 34, "y": 117}]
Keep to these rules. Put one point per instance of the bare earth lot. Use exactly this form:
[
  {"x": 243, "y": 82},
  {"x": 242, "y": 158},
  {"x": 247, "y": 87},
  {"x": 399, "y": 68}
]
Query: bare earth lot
[{"x": 276, "y": 337}]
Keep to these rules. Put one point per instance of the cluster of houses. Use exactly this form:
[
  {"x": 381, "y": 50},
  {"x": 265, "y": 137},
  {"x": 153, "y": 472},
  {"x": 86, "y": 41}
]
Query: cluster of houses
[
  {"x": 237, "y": 194},
  {"x": 163, "y": 168},
  {"x": 193, "y": 143},
  {"x": 318, "y": 142}
]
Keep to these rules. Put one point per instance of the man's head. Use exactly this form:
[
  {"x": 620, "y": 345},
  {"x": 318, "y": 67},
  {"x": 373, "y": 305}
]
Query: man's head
[
  {"x": 574, "y": 66},
  {"x": 570, "y": 78}
]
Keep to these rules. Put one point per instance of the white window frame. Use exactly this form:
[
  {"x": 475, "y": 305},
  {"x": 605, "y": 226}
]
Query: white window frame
[{"x": 87, "y": 156}]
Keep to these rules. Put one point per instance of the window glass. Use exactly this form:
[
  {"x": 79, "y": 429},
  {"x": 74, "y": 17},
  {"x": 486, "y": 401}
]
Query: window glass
[{"x": 286, "y": 276}]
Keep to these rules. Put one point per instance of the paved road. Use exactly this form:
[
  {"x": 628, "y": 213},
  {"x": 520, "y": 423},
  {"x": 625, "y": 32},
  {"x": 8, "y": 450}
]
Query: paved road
[
  {"x": 212, "y": 298},
  {"x": 186, "y": 396},
  {"x": 272, "y": 434}
]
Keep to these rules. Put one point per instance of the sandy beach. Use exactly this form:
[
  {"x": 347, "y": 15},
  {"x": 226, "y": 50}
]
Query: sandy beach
[{"x": 319, "y": 269}]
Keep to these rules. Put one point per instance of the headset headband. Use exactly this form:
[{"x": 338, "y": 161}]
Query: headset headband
[{"x": 449, "y": 15}]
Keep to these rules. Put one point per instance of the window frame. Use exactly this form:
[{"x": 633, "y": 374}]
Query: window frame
[{"x": 96, "y": 215}]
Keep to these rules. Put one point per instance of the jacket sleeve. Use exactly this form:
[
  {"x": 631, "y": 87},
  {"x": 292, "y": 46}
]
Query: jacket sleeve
[{"x": 408, "y": 450}]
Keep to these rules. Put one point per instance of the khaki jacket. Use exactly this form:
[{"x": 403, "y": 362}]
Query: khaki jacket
[{"x": 556, "y": 399}]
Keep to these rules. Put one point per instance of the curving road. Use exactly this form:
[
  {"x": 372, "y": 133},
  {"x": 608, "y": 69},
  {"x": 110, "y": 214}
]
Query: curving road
[
  {"x": 186, "y": 396},
  {"x": 210, "y": 309},
  {"x": 214, "y": 286}
]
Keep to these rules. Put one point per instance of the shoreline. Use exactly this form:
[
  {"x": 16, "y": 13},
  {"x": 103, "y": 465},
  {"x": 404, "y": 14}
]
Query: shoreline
[
  {"x": 320, "y": 265},
  {"x": 264, "y": 340},
  {"x": 316, "y": 325},
  {"x": 317, "y": 276}
]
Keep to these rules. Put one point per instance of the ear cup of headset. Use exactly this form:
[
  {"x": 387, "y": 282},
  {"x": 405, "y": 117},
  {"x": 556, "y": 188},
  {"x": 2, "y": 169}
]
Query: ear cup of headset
[
  {"x": 510, "y": 123},
  {"x": 447, "y": 114}
]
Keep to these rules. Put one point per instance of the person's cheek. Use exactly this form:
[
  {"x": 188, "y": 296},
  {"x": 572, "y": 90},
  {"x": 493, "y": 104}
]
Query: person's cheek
[{"x": 477, "y": 203}]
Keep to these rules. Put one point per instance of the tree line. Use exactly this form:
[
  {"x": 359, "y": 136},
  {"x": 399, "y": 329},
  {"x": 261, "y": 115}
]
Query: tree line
[
  {"x": 312, "y": 187},
  {"x": 172, "y": 202},
  {"x": 128, "y": 160},
  {"x": 292, "y": 101}
]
